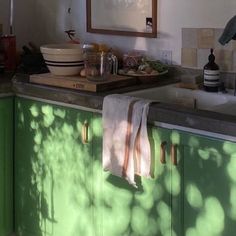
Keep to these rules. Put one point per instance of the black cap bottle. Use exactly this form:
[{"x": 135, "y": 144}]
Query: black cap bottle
[{"x": 211, "y": 74}]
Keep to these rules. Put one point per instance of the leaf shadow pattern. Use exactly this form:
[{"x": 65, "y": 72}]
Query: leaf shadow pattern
[
  {"x": 53, "y": 192},
  {"x": 122, "y": 209}
]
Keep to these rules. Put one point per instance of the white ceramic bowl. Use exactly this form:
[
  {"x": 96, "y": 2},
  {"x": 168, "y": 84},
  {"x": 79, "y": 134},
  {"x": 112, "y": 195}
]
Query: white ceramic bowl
[{"x": 63, "y": 59}]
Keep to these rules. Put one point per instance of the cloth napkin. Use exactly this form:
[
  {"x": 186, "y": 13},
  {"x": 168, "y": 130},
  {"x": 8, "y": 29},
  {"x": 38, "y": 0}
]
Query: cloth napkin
[{"x": 126, "y": 148}]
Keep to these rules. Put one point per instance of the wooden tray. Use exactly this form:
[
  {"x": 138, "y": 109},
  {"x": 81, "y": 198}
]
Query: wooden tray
[{"x": 83, "y": 84}]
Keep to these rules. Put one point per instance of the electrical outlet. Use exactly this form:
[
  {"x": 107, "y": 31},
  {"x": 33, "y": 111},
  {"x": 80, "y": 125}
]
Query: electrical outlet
[{"x": 166, "y": 57}]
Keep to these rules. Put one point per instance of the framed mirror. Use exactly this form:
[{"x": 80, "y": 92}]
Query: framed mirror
[{"x": 122, "y": 17}]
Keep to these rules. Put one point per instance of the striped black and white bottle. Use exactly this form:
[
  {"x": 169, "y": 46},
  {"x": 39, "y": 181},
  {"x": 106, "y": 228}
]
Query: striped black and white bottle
[{"x": 211, "y": 74}]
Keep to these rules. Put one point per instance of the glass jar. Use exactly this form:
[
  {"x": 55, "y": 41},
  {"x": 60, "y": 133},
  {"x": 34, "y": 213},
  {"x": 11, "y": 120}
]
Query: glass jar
[{"x": 97, "y": 65}]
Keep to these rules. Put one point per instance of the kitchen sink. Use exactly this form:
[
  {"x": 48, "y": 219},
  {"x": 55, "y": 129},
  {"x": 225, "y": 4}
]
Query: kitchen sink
[{"x": 196, "y": 99}]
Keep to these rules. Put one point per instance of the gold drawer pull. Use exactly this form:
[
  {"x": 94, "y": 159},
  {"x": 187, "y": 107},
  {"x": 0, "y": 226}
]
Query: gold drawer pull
[
  {"x": 163, "y": 152},
  {"x": 84, "y": 133},
  {"x": 174, "y": 154}
]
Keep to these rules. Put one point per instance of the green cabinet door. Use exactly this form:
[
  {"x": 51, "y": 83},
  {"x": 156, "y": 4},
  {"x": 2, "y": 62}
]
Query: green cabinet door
[
  {"x": 122, "y": 210},
  {"x": 6, "y": 166},
  {"x": 176, "y": 170},
  {"x": 53, "y": 156},
  {"x": 209, "y": 186}
]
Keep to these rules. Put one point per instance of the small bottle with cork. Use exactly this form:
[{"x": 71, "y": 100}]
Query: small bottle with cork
[{"x": 211, "y": 74}]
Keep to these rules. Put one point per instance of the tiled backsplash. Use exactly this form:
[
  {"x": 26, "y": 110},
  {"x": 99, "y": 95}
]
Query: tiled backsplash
[{"x": 196, "y": 44}]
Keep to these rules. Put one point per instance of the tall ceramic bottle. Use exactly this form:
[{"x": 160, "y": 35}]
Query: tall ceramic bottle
[{"x": 211, "y": 74}]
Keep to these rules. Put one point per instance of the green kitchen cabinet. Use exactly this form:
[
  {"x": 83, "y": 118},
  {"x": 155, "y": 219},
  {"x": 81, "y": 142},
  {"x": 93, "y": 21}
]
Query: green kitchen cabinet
[
  {"x": 209, "y": 202},
  {"x": 53, "y": 181},
  {"x": 61, "y": 188},
  {"x": 151, "y": 209},
  {"x": 193, "y": 194},
  {"x": 6, "y": 163}
]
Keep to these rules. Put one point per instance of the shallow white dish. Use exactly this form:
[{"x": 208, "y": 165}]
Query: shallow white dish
[
  {"x": 145, "y": 75},
  {"x": 63, "y": 59}
]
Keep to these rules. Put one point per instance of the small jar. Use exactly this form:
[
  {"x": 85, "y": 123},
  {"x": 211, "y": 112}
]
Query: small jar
[{"x": 97, "y": 65}]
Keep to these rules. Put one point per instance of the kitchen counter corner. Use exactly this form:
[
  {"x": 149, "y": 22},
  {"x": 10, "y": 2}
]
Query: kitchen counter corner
[{"x": 159, "y": 112}]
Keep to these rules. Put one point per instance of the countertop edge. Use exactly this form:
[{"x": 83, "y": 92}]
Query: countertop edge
[{"x": 166, "y": 113}]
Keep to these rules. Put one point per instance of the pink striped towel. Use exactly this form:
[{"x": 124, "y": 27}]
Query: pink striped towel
[{"x": 126, "y": 148}]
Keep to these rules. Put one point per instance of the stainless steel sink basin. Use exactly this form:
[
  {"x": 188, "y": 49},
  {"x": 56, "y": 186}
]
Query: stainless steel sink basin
[{"x": 197, "y": 99}]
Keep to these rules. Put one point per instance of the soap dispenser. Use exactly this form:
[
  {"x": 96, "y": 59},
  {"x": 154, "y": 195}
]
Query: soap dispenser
[{"x": 211, "y": 74}]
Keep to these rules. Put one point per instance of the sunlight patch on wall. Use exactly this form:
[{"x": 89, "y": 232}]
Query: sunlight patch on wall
[
  {"x": 232, "y": 176},
  {"x": 175, "y": 182},
  {"x": 231, "y": 168},
  {"x": 61, "y": 162},
  {"x": 204, "y": 154},
  {"x": 139, "y": 220},
  {"x": 164, "y": 212},
  {"x": 158, "y": 192},
  {"x": 38, "y": 137},
  {"x": 34, "y": 110},
  {"x": 146, "y": 199},
  {"x": 212, "y": 218},
  {"x": 229, "y": 147},
  {"x": 194, "y": 196},
  {"x": 212, "y": 154},
  {"x": 97, "y": 129},
  {"x": 122, "y": 217},
  {"x": 175, "y": 137},
  {"x": 21, "y": 118},
  {"x": 34, "y": 124},
  {"x": 167, "y": 182},
  {"x": 60, "y": 113},
  {"x": 210, "y": 221},
  {"x": 193, "y": 142},
  {"x": 48, "y": 117},
  {"x": 58, "y": 155},
  {"x": 160, "y": 170},
  {"x": 233, "y": 202}
]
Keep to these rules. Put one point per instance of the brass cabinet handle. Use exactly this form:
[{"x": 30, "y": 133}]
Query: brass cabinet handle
[
  {"x": 173, "y": 154},
  {"x": 84, "y": 133},
  {"x": 163, "y": 152}
]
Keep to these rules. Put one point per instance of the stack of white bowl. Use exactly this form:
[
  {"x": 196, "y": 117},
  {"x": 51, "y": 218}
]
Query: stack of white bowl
[{"x": 63, "y": 59}]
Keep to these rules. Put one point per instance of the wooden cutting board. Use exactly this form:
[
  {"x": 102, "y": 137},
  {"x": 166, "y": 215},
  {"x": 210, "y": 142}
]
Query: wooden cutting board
[{"x": 83, "y": 84}]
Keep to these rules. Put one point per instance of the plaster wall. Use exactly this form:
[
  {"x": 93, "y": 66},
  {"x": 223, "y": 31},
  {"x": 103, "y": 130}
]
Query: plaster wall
[{"x": 45, "y": 22}]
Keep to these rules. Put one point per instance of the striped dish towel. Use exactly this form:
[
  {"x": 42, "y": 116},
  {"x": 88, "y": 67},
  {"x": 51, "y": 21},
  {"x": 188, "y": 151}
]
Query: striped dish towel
[{"x": 126, "y": 148}]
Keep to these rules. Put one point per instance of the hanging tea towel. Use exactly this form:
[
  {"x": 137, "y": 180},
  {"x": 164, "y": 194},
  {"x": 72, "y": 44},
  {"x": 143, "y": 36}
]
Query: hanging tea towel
[{"x": 126, "y": 148}]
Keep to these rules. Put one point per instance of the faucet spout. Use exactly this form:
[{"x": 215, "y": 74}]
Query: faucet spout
[{"x": 229, "y": 32}]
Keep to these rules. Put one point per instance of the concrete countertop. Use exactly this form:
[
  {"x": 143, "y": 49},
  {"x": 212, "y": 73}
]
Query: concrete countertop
[
  {"x": 160, "y": 112},
  {"x": 91, "y": 100}
]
